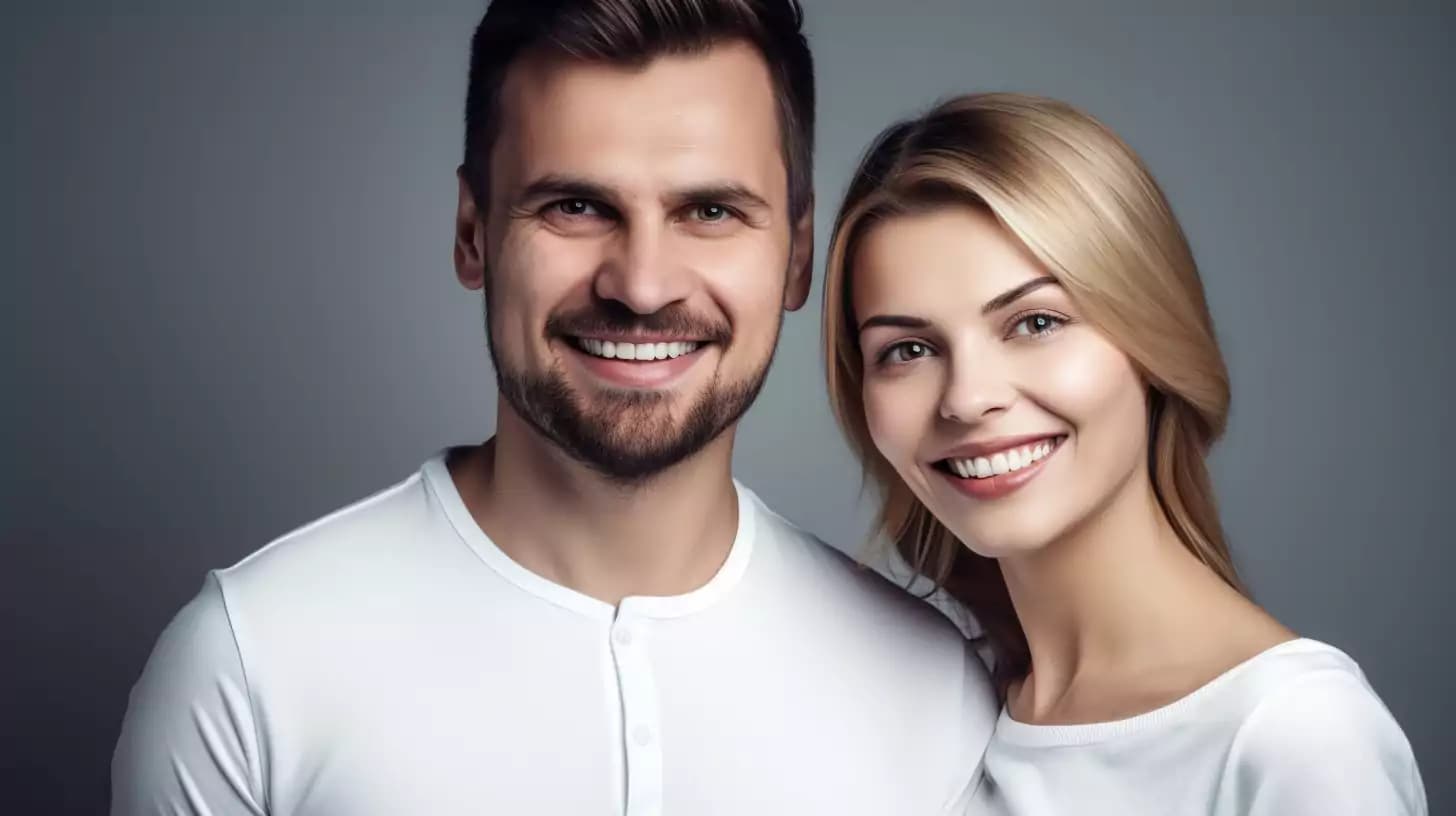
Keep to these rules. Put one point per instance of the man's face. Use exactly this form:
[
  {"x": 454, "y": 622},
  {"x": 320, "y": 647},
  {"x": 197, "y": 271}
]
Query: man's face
[{"x": 636, "y": 251}]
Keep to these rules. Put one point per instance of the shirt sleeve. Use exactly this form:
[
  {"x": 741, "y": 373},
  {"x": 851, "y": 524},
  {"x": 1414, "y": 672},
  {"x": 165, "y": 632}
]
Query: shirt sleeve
[
  {"x": 188, "y": 742},
  {"x": 979, "y": 709},
  {"x": 1324, "y": 746}
]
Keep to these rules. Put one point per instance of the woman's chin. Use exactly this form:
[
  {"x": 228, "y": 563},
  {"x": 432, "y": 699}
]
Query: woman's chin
[{"x": 1005, "y": 540}]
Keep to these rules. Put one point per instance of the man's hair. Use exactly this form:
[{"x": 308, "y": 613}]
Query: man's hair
[{"x": 633, "y": 32}]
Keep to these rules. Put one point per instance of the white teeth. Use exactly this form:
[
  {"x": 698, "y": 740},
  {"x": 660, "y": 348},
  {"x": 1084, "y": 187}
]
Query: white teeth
[
  {"x": 634, "y": 351},
  {"x": 983, "y": 467}
]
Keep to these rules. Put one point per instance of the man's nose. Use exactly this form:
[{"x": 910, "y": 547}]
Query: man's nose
[{"x": 642, "y": 272}]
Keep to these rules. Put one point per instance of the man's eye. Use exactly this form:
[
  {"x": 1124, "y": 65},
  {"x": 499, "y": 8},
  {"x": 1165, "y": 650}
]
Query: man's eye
[
  {"x": 576, "y": 207},
  {"x": 711, "y": 212}
]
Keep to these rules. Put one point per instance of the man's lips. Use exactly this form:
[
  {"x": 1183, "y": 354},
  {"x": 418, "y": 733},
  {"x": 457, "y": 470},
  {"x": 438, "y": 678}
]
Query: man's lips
[
  {"x": 638, "y": 348},
  {"x": 644, "y": 365}
]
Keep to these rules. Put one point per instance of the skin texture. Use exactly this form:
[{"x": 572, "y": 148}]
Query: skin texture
[
  {"x": 625, "y": 202},
  {"x": 1119, "y": 615}
]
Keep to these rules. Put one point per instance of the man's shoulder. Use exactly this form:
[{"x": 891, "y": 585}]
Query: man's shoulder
[
  {"x": 856, "y": 590},
  {"x": 887, "y": 637},
  {"x": 360, "y": 538}
]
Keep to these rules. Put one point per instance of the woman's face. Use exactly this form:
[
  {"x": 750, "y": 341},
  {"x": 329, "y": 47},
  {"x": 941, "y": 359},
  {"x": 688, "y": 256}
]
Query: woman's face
[{"x": 1011, "y": 418}]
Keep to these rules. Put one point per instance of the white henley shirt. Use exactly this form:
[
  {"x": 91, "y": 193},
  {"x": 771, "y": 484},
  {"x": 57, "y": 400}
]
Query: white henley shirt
[{"x": 390, "y": 659}]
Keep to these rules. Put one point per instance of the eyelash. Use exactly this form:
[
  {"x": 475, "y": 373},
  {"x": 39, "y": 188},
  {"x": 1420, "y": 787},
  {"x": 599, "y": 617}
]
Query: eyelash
[
  {"x": 603, "y": 210},
  {"x": 1057, "y": 323},
  {"x": 560, "y": 203}
]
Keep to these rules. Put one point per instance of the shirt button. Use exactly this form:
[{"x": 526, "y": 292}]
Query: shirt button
[
  {"x": 642, "y": 735},
  {"x": 623, "y": 636}
]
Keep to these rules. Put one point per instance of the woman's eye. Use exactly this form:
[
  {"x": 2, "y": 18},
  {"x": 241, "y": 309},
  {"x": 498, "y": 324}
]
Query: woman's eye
[
  {"x": 1036, "y": 325},
  {"x": 905, "y": 352}
]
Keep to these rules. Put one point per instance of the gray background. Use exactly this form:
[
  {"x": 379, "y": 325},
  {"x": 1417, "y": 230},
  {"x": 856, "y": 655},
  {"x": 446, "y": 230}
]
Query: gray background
[{"x": 231, "y": 308}]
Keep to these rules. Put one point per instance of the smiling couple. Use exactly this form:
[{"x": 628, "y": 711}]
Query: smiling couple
[{"x": 586, "y": 614}]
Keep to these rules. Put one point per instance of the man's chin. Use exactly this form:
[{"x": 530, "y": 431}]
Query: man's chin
[
  {"x": 634, "y": 451},
  {"x": 627, "y": 435}
]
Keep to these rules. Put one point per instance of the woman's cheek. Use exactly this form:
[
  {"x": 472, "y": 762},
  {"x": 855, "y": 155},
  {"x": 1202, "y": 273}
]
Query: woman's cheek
[
  {"x": 1083, "y": 377},
  {"x": 886, "y": 424},
  {"x": 899, "y": 411}
]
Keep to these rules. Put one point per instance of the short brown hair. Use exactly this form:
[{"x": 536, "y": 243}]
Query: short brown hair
[{"x": 632, "y": 32}]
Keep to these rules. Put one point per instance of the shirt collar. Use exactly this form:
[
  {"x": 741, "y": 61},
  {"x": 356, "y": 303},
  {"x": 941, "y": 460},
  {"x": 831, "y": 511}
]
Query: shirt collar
[{"x": 437, "y": 477}]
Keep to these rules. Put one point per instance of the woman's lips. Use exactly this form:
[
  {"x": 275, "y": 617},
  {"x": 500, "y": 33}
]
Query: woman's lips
[{"x": 1027, "y": 460}]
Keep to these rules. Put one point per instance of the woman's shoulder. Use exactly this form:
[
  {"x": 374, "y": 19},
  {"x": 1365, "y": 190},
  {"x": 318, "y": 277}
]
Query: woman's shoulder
[
  {"x": 1315, "y": 734},
  {"x": 1307, "y": 692}
]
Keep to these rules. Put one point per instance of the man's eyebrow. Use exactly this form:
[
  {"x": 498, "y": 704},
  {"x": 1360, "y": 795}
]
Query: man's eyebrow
[
  {"x": 729, "y": 193},
  {"x": 1010, "y": 296},
  {"x": 554, "y": 185},
  {"x": 898, "y": 321}
]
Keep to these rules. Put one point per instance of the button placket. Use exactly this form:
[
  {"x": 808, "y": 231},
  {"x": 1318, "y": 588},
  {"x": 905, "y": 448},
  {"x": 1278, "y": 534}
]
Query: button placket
[{"x": 640, "y": 728}]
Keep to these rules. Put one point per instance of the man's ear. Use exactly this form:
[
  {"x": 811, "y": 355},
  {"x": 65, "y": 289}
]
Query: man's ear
[
  {"x": 469, "y": 237},
  {"x": 801, "y": 261}
]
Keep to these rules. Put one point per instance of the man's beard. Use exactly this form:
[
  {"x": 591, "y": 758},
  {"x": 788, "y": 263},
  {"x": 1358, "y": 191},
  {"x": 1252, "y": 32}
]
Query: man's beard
[{"x": 628, "y": 436}]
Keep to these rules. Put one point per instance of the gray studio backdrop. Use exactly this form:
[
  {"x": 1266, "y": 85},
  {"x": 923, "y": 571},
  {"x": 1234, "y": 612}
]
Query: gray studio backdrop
[{"x": 231, "y": 307}]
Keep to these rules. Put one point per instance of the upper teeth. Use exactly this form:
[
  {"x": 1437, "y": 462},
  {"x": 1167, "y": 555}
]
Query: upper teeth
[
  {"x": 634, "y": 351},
  {"x": 1005, "y": 461}
]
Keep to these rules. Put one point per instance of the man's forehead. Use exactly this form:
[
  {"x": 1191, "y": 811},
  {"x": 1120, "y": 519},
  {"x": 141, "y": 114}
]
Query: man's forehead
[
  {"x": 686, "y": 118},
  {"x": 731, "y": 69}
]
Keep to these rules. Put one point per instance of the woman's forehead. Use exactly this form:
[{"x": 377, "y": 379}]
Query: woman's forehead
[{"x": 943, "y": 260}]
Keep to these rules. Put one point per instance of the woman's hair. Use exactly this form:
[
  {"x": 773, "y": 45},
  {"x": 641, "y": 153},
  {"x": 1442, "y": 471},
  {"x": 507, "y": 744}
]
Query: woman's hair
[{"x": 1083, "y": 203}]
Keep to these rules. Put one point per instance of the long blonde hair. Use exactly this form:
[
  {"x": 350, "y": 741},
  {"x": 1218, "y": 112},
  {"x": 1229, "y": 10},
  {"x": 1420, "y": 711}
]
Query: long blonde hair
[{"x": 1083, "y": 203}]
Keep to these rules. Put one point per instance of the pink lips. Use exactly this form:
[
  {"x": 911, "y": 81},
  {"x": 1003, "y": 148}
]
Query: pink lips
[{"x": 994, "y": 487}]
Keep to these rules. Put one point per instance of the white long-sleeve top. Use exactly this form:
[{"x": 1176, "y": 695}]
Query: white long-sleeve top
[{"x": 1294, "y": 731}]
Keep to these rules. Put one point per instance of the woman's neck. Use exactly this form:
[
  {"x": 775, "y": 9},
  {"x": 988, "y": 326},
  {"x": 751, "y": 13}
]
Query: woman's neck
[{"x": 1119, "y": 615}]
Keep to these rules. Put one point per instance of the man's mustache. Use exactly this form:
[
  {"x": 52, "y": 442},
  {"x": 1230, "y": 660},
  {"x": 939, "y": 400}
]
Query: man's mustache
[{"x": 613, "y": 318}]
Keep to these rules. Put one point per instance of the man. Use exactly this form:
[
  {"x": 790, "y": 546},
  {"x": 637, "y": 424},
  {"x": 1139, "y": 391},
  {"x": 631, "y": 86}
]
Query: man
[{"x": 586, "y": 614}]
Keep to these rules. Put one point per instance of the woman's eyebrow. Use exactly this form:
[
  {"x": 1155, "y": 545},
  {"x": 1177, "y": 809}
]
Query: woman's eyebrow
[
  {"x": 1010, "y": 296},
  {"x": 900, "y": 321},
  {"x": 1001, "y": 301}
]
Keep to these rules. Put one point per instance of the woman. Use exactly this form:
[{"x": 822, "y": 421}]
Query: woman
[{"x": 1021, "y": 354}]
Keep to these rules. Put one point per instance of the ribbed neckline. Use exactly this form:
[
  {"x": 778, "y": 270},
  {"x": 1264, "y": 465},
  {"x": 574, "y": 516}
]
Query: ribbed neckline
[
  {"x": 1019, "y": 733},
  {"x": 437, "y": 477}
]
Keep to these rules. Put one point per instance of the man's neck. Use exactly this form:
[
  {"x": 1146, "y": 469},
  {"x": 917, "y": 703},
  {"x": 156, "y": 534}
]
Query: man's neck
[{"x": 605, "y": 539}]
